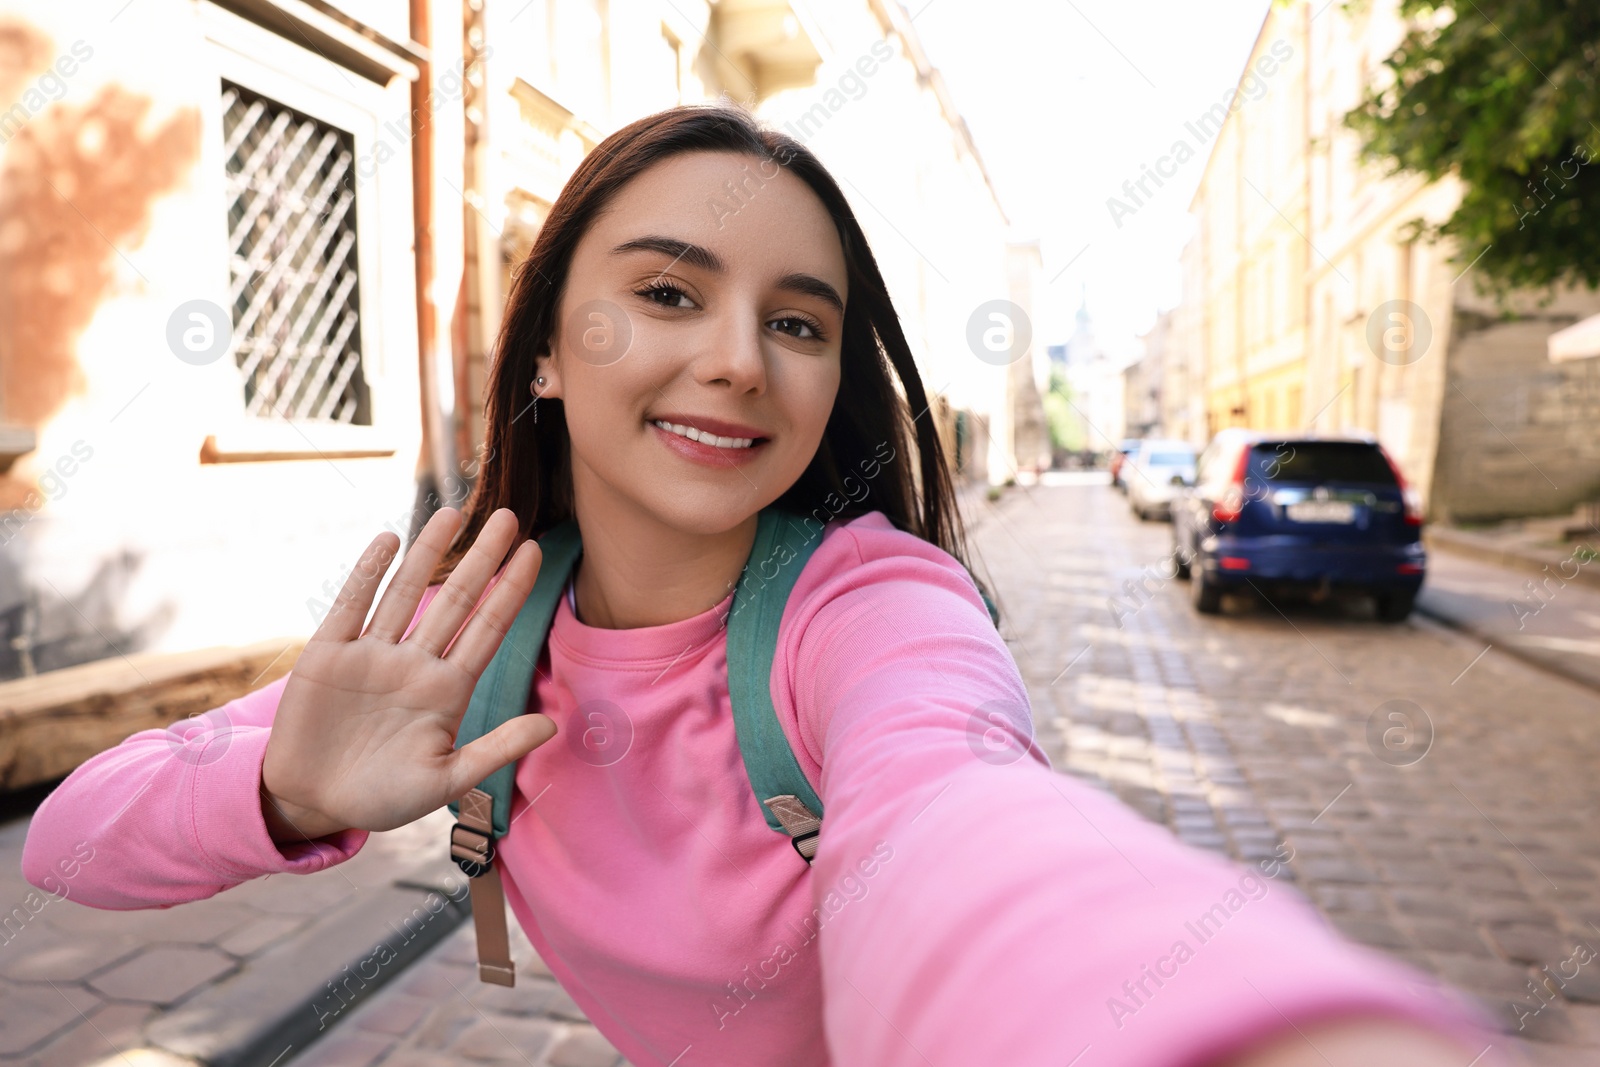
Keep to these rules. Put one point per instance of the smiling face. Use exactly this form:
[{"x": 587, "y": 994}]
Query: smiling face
[{"x": 708, "y": 296}]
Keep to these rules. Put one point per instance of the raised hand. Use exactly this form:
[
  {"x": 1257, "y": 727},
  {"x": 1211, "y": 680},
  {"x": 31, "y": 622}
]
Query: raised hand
[{"x": 364, "y": 733}]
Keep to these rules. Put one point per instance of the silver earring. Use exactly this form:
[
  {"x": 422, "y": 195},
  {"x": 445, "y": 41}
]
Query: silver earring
[{"x": 534, "y": 389}]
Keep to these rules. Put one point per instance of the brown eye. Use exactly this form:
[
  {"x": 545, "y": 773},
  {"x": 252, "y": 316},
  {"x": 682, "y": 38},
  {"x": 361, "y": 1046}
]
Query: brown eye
[
  {"x": 673, "y": 294},
  {"x": 790, "y": 322}
]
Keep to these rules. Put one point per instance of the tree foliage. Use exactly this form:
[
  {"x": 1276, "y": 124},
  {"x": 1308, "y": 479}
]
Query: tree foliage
[
  {"x": 1504, "y": 94},
  {"x": 1066, "y": 429}
]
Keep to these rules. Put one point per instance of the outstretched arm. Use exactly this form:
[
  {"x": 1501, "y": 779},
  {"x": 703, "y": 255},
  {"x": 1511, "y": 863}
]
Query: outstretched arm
[
  {"x": 983, "y": 908},
  {"x": 179, "y": 814},
  {"x": 169, "y": 816}
]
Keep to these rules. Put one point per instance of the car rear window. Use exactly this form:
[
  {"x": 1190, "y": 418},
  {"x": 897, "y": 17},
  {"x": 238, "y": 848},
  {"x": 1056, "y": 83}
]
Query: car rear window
[
  {"x": 1321, "y": 461},
  {"x": 1170, "y": 459}
]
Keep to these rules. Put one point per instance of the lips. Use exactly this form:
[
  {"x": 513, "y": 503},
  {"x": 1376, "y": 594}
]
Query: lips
[{"x": 706, "y": 424}]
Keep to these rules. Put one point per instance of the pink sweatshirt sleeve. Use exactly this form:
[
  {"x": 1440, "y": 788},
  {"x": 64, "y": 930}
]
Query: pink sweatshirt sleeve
[
  {"x": 983, "y": 908},
  {"x": 169, "y": 816}
]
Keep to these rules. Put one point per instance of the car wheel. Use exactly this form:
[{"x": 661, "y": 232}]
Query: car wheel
[
  {"x": 1205, "y": 593},
  {"x": 1394, "y": 607},
  {"x": 1180, "y": 564}
]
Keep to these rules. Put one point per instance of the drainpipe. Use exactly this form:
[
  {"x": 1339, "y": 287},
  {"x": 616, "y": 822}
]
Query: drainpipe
[{"x": 436, "y": 460}]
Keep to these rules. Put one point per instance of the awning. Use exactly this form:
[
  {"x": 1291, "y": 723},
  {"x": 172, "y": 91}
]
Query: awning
[{"x": 1581, "y": 340}]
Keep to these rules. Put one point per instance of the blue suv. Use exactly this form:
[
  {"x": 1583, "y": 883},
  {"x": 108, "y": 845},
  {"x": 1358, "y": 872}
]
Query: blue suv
[{"x": 1327, "y": 513}]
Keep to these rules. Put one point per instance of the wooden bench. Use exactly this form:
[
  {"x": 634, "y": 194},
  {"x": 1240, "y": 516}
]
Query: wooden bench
[{"x": 52, "y": 722}]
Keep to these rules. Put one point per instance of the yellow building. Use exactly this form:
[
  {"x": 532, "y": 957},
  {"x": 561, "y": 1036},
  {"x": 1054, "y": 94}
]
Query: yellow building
[
  {"x": 1309, "y": 302},
  {"x": 1240, "y": 336}
]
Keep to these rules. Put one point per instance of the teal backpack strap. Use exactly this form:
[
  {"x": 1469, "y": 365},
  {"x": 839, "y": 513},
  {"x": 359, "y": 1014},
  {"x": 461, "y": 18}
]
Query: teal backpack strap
[
  {"x": 782, "y": 546},
  {"x": 501, "y": 693},
  {"x": 483, "y": 815}
]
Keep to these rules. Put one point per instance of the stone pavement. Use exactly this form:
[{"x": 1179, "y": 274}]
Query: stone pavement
[
  {"x": 235, "y": 979},
  {"x": 1458, "y": 836},
  {"x": 1440, "y": 799}
]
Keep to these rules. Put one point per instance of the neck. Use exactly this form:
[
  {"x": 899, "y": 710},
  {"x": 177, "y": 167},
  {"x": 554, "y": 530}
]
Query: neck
[{"x": 637, "y": 571}]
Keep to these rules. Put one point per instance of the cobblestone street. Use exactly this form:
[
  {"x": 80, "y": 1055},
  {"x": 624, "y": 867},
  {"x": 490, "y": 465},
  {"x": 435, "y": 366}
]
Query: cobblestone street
[
  {"x": 1466, "y": 850},
  {"x": 1469, "y": 851},
  {"x": 1457, "y": 836}
]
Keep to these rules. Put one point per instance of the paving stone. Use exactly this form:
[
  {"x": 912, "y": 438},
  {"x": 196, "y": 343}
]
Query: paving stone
[
  {"x": 1335, "y": 898},
  {"x": 439, "y": 980},
  {"x": 344, "y": 1050},
  {"x": 563, "y": 1007},
  {"x": 29, "y": 1014},
  {"x": 196, "y": 922},
  {"x": 506, "y": 1040},
  {"x": 45, "y": 954},
  {"x": 1486, "y": 976},
  {"x": 1414, "y": 872},
  {"x": 584, "y": 1048},
  {"x": 1313, "y": 843},
  {"x": 1546, "y": 1023},
  {"x": 532, "y": 995},
  {"x": 1333, "y": 869},
  {"x": 163, "y": 974},
  {"x": 1530, "y": 943},
  {"x": 1486, "y": 880},
  {"x": 1448, "y": 937},
  {"x": 283, "y": 996},
  {"x": 1508, "y": 910},
  {"x": 258, "y": 934},
  {"x": 441, "y": 1029},
  {"x": 1426, "y": 902},
  {"x": 1370, "y": 931},
  {"x": 1581, "y": 988},
  {"x": 397, "y": 1015},
  {"x": 109, "y": 1031}
]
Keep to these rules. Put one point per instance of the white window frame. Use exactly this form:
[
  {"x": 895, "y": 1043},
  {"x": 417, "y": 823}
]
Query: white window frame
[{"x": 375, "y": 115}]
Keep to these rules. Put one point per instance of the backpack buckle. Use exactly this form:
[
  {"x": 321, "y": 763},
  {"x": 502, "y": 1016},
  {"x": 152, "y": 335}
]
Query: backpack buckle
[
  {"x": 472, "y": 849},
  {"x": 806, "y": 844}
]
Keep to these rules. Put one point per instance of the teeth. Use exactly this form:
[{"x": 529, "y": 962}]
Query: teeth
[{"x": 704, "y": 438}]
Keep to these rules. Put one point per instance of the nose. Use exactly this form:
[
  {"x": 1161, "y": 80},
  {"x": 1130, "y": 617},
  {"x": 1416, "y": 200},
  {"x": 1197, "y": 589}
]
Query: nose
[{"x": 735, "y": 356}]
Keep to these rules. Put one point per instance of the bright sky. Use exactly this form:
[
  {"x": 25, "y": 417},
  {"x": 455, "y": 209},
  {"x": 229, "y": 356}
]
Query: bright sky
[{"x": 1068, "y": 99}]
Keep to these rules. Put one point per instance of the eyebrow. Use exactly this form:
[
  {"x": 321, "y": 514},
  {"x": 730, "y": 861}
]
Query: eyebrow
[{"x": 698, "y": 256}]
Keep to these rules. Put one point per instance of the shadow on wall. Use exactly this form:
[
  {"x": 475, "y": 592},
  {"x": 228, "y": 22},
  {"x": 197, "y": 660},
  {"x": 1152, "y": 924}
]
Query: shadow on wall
[
  {"x": 47, "y": 627},
  {"x": 79, "y": 183}
]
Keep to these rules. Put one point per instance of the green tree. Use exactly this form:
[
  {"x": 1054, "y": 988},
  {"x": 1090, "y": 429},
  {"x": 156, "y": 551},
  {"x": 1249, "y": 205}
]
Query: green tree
[
  {"x": 1066, "y": 429},
  {"x": 1505, "y": 95}
]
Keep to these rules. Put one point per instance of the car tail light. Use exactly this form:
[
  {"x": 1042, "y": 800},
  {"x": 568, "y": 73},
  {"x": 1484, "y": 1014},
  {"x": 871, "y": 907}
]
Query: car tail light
[
  {"x": 1234, "y": 563},
  {"x": 1409, "y": 568},
  {"x": 1408, "y": 494},
  {"x": 1232, "y": 503}
]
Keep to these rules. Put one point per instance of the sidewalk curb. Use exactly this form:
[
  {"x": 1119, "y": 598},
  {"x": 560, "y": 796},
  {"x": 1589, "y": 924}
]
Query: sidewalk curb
[
  {"x": 256, "y": 1018},
  {"x": 1488, "y": 550},
  {"x": 1543, "y": 661}
]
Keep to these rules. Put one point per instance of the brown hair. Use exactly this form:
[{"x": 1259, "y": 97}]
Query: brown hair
[{"x": 527, "y": 465}]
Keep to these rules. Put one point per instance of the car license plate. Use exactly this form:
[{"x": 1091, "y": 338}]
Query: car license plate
[{"x": 1322, "y": 511}]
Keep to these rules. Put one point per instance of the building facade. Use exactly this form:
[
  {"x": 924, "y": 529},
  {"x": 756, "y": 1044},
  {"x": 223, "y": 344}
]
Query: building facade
[
  {"x": 253, "y": 255},
  {"x": 1309, "y": 302}
]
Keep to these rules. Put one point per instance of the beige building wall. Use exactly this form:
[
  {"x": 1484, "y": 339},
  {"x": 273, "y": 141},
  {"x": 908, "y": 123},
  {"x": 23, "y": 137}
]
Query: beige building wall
[
  {"x": 1245, "y": 330},
  {"x": 152, "y": 502},
  {"x": 1344, "y": 321},
  {"x": 849, "y": 80}
]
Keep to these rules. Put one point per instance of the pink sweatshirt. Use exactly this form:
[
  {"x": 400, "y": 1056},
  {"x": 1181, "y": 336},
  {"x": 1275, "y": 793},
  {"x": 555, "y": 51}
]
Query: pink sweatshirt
[{"x": 968, "y": 904}]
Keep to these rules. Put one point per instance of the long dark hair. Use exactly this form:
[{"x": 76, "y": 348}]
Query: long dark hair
[{"x": 527, "y": 465}]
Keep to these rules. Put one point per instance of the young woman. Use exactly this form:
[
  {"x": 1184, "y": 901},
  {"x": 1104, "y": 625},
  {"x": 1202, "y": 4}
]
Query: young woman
[{"x": 706, "y": 333}]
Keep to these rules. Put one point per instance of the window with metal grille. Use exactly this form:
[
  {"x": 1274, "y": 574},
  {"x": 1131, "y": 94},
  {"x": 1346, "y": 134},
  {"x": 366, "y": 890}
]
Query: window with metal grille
[{"x": 293, "y": 275}]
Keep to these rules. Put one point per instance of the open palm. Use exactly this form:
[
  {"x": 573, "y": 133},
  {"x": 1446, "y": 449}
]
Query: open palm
[{"x": 364, "y": 735}]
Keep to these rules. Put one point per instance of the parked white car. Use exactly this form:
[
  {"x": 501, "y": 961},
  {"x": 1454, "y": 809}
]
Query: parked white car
[{"x": 1155, "y": 474}]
